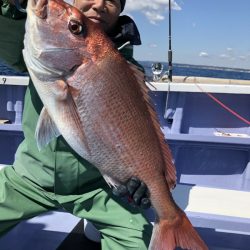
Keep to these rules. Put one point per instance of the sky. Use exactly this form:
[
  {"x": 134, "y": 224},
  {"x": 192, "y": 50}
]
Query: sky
[{"x": 204, "y": 32}]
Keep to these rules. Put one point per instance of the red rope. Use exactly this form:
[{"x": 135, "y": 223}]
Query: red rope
[{"x": 224, "y": 106}]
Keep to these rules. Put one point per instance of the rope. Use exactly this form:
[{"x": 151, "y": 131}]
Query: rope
[{"x": 224, "y": 106}]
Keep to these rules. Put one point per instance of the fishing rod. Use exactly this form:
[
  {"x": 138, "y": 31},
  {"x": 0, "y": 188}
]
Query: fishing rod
[
  {"x": 168, "y": 111},
  {"x": 170, "y": 66}
]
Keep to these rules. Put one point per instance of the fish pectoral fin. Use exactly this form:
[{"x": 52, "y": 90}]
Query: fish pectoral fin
[{"x": 46, "y": 129}]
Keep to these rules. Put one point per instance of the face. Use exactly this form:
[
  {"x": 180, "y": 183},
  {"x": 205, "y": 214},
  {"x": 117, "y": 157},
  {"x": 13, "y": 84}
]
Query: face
[{"x": 105, "y": 12}]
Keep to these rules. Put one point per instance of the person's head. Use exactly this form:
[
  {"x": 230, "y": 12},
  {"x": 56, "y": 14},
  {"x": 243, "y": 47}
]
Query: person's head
[{"x": 105, "y": 12}]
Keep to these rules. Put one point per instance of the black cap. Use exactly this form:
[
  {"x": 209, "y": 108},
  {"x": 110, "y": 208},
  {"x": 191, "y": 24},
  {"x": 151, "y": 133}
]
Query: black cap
[{"x": 123, "y": 2}]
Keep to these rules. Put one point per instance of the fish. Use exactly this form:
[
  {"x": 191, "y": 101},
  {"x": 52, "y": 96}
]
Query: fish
[{"x": 100, "y": 104}]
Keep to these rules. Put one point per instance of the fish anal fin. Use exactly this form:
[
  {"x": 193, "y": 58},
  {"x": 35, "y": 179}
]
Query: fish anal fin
[
  {"x": 46, "y": 129},
  {"x": 182, "y": 234}
]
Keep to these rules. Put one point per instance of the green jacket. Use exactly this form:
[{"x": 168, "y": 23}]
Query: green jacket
[{"x": 57, "y": 167}]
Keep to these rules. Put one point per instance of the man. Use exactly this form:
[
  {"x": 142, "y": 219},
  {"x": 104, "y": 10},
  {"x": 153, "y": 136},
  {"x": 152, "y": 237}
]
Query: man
[{"x": 57, "y": 177}]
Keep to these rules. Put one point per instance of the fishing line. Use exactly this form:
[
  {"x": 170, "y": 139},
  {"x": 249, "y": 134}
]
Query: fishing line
[{"x": 223, "y": 105}]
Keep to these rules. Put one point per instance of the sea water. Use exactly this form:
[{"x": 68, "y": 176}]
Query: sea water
[
  {"x": 178, "y": 70},
  {"x": 199, "y": 70}
]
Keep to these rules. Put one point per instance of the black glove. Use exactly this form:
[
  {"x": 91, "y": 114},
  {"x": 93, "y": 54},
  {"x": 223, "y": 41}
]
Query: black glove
[{"x": 136, "y": 191}]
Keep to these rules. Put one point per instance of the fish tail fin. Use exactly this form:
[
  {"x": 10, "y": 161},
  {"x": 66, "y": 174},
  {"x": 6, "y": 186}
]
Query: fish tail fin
[{"x": 181, "y": 234}]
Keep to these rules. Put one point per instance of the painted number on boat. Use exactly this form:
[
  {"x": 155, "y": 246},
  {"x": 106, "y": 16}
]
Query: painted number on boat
[{"x": 3, "y": 80}]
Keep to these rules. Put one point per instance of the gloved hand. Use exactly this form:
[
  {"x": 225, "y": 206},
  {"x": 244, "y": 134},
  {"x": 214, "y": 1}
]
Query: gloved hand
[{"x": 136, "y": 191}]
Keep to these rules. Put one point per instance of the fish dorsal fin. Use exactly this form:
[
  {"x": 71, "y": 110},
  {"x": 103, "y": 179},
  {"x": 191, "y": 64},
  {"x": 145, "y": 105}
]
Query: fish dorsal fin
[
  {"x": 46, "y": 129},
  {"x": 170, "y": 171}
]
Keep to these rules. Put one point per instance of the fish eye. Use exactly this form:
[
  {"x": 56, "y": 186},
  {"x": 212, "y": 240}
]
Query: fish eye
[{"x": 75, "y": 27}]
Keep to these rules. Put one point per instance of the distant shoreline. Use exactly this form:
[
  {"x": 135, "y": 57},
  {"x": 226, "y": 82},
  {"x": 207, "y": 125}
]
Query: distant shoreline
[{"x": 185, "y": 65}]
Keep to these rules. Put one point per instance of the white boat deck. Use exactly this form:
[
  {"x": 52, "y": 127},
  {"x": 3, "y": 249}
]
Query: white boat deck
[
  {"x": 202, "y": 84},
  {"x": 14, "y": 80},
  {"x": 212, "y": 205}
]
